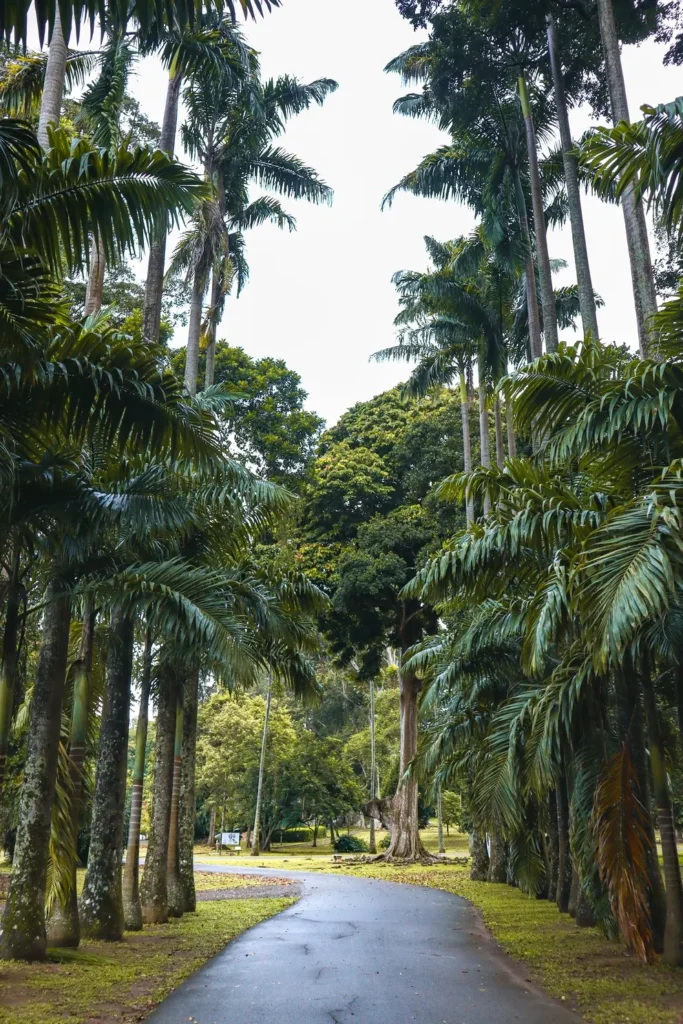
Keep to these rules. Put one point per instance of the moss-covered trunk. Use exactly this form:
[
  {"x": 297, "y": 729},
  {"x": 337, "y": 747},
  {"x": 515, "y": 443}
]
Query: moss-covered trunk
[
  {"x": 173, "y": 881},
  {"x": 188, "y": 810},
  {"x": 132, "y": 908},
  {"x": 23, "y": 933},
  {"x": 63, "y": 928},
  {"x": 153, "y": 888},
  {"x": 101, "y": 903}
]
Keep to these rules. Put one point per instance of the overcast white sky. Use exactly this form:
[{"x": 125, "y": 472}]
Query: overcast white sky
[{"x": 322, "y": 298}]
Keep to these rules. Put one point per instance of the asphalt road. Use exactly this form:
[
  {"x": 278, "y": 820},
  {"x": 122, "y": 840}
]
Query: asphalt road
[{"x": 360, "y": 951}]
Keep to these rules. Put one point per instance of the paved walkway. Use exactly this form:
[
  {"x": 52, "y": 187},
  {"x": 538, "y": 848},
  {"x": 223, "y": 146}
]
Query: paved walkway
[{"x": 360, "y": 951}]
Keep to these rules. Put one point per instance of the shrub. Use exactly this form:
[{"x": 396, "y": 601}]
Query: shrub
[
  {"x": 300, "y": 835},
  {"x": 385, "y": 843},
  {"x": 351, "y": 844}
]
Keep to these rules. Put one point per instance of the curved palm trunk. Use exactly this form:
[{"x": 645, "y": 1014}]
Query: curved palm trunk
[
  {"x": 154, "y": 286},
  {"x": 256, "y": 842},
  {"x": 466, "y": 440},
  {"x": 589, "y": 317},
  {"x": 95, "y": 288},
  {"x": 101, "y": 903},
  {"x": 10, "y": 650},
  {"x": 63, "y": 928},
  {"x": 194, "y": 331},
  {"x": 547, "y": 294},
  {"x": 173, "y": 881},
  {"x": 132, "y": 908},
  {"x": 484, "y": 442},
  {"x": 23, "y": 934},
  {"x": 373, "y": 840},
  {"x": 153, "y": 888},
  {"x": 405, "y": 836},
  {"x": 53, "y": 86},
  {"x": 642, "y": 277},
  {"x": 188, "y": 810},
  {"x": 535, "y": 339}
]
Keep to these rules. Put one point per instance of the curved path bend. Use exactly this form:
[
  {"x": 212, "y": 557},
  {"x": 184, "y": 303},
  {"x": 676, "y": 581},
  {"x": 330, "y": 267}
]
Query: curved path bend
[{"x": 362, "y": 951}]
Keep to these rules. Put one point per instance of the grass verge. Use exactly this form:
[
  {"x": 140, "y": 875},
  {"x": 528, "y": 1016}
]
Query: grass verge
[{"x": 122, "y": 982}]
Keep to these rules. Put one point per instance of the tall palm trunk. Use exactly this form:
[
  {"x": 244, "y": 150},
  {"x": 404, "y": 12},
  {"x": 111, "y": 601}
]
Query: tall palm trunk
[
  {"x": 132, "y": 908},
  {"x": 95, "y": 288},
  {"x": 10, "y": 650},
  {"x": 173, "y": 881},
  {"x": 373, "y": 840},
  {"x": 256, "y": 842},
  {"x": 53, "y": 86},
  {"x": 496, "y": 871},
  {"x": 215, "y": 291},
  {"x": 153, "y": 888},
  {"x": 589, "y": 317},
  {"x": 194, "y": 331},
  {"x": 188, "y": 810},
  {"x": 545, "y": 276},
  {"x": 535, "y": 339},
  {"x": 484, "y": 442},
  {"x": 23, "y": 936},
  {"x": 564, "y": 858},
  {"x": 673, "y": 933},
  {"x": 466, "y": 439},
  {"x": 439, "y": 821},
  {"x": 644, "y": 292},
  {"x": 512, "y": 440},
  {"x": 63, "y": 927},
  {"x": 101, "y": 904},
  {"x": 154, "y": 286},
  {"x": 500, "y": 443}
]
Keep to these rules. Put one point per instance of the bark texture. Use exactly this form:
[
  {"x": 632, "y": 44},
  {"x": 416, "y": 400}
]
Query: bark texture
[
  {"x": 188, "y": 809},
  {"x": 256, "y": 841},
  {"x": 484, "y": 441},
  {"x": 564, "y": 858},
  {"x": 53, "y": 86},
  {"x": 10, "y": 651},
  {"x": 95, "y": 288},
  {"x": 479, "y": 857},
  {"x": 466, "y": 440},
  {"x": 497, "y": 871},
  {"x": 644, "y": 293},
  {"x": 153, "y": 888},
  {"x": 132, "y": 907},
  {"x": 23, "y": 936},
  {"x": 500, "y": 443},
  {"x": 194, "y": 330},
  {"x": 535, "y": 339},
  {"x": 173, "y": 880},
  {"x": 405, "y": 836},
  {"x": 101, "y": 903}
]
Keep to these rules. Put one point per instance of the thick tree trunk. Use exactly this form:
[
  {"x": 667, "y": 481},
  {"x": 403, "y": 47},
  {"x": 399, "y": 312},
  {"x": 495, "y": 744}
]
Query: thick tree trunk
[
  {"x": 497, "y": 871},
  {"x": 466, "y": 440},
  {"x": 132, "y": 907},
  {"x": 10, "y": 650},
  {"x": 63, "y": 928},
  {"x": 153, "y": 888},
  {"x": 544, "y": 273},
  {"x": 405, "y": 835},
  {"x": 564, "y": 857},
  {"x": 673, "y": 933},
  {"x": 212, "y": 828},
  {"x": 53, "y": 86},
  {"x": 585, "y": 918},
  {"x": 188, "y": 809},
  {"x": 154, "y": 287},
  {"x": 194, "y": 331},
  {"x": 535, "y": 339},
  {"x": 95, "y": 288},
  {"x": 589, "y": 317},
  {"x": 553, "y": 846},
  {"x": 484, "y": 442},
  {"x": 101, "y": 904},
  {"x": 23, "y": 935},
  {"x": 479, "y": 857},
  {"x": 644, "y": 292},
  {"x": 174, "y": 883},
  {"x": 373, "y": 838},
  {"x": 256, "y": 841},
  {"x": 500, "y": 443}
]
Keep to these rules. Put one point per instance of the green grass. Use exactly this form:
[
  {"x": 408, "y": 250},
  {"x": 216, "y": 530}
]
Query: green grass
[{"x": 124, "y": 981}]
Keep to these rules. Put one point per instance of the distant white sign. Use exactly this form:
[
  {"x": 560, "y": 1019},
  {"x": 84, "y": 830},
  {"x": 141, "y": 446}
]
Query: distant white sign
[{"x": 230, "y": 838}]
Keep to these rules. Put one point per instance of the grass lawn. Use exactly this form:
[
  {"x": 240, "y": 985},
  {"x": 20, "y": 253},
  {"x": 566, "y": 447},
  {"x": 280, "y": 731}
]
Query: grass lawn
[{"x": 123, "y": 981}]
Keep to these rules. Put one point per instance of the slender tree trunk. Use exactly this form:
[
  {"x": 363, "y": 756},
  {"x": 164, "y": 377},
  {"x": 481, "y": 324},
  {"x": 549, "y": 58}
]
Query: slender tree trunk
[
  {"x": 373, "y": 839},
  {"x": 95, "y": 288},
  {"x": 673, "y": 933},
  {"x": 132, "y": 907},
  {"x": 405, "y": 835},
  {"x": 153, "y": 888},
  {"x": 484, "y": 442},
  {"x": 439, "y": 821},
  {"x": 553, "y": 846},
  {"x": 174, "y": 882},
  {"x": 53, "y": 86},
  {"x": 564, "y": 858},
  {"x": 212, "y": 828},
  {"x": 466, "y": 440},
  {"x": 512, "y": 440},
  {"x": 10, "y": 650},
  {"x": 500, "y": 444},
  {"x": 154, "y": 287},
  {"x": 216, "y": 286},
  {"x": 679, "y": 700},
  {"x": 23, "y": 935},
  {"x": 194, "y": 331},
  {"x": 188, "y": 808},
  {"x": 497, "y": 872},
  {"x": 535, "y": 339},
  {"x": 589, "y": 317},
  {"x": 544, "y": 273},
  {"x": 644, "y": 292},
  {"x": 256, "y": 842},
  {"x": 63, "y": 928},
  {"x": 101, "y": 904},
  {"x": 479, "y": 857}
]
